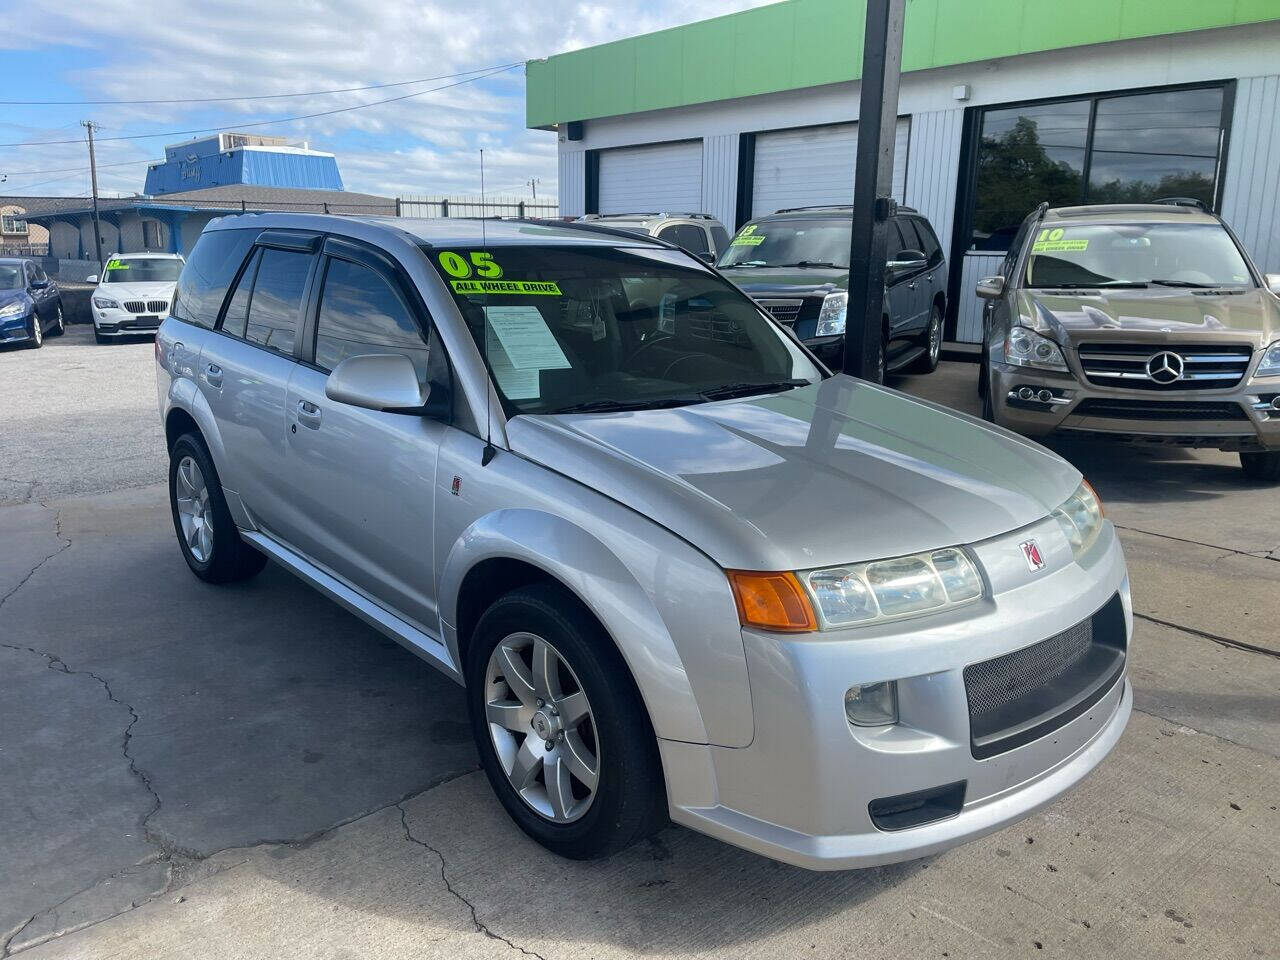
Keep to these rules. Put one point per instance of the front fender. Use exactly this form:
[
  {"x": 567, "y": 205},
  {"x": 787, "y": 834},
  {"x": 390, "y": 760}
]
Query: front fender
[{"x": 668, "y": 609}]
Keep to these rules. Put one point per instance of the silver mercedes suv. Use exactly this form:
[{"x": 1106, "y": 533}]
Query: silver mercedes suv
[{"x": 590, "y": 480}]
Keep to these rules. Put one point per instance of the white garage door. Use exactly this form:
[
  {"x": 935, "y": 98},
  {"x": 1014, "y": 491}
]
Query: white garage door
[
  {"x": 814, "y": 165},
  {"x": 653, "y": 179}
]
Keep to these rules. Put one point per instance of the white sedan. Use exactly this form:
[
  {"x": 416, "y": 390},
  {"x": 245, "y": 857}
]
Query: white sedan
[{"x": 134, "y": 293}]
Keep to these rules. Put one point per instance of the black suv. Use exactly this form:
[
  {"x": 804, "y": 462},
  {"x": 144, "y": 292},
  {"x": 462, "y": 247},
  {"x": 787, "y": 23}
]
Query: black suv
[{"x": 794, "y": 263}]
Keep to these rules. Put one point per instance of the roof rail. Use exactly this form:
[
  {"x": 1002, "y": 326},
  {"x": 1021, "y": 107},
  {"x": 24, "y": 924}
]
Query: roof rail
[
  {"x": 899, "y": 208},
  {"x": 648, "y": 213}
]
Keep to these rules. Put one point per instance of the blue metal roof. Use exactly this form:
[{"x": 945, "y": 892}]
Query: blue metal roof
[{"x": 253, "y": 166}]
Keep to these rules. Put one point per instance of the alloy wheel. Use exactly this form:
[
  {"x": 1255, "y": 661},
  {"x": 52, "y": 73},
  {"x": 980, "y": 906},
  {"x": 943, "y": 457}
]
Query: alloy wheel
[
  {"x": 61, "y": 324},
  {"x": 935, "y": 337},
  {"x": 542, "y": 727},
  {"x": 37, "y": 332},
  {"x": 194, "y": 511}
]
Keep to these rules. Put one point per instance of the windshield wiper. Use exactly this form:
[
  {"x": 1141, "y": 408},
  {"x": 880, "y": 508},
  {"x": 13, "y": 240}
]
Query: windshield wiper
[
  {"x": 728, "y": 390},
  {"x": 605, "y": 405},
  {"x": 806, "y": 264},
  {"x": 742, "y": 263},
  {"x": 1188, "y": 283},
  {"x": 1110, "y": 284}
]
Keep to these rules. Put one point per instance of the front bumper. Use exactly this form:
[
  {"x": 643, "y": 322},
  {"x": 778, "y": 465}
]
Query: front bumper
[
  {"x": 803, "y": 791},
  {"x": 15, "y": 329},
  {"x": 1242, "y": 418},
  {"x": 113, "y": 322}
]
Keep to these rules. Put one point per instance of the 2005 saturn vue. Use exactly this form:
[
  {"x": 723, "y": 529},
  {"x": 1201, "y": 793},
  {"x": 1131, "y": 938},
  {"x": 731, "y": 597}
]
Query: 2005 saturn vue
[{"x": 681, "y": 570}]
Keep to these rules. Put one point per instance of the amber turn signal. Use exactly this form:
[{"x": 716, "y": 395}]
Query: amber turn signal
[{"x": 773, "y": 601}]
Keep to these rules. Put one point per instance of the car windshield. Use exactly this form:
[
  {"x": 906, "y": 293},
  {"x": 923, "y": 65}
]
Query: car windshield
[
  {"x": 141, "y": 270},
  {"x": 600, "y": 329},
  {"x": 10, "y": 277},
  {"x": 1135, "y": 255},
  {"x": 820, "y": 242}
]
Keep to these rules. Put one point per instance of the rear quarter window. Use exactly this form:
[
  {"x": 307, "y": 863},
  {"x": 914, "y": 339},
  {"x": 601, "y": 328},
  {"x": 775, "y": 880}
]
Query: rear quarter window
[{"x": 203, "y": 283}]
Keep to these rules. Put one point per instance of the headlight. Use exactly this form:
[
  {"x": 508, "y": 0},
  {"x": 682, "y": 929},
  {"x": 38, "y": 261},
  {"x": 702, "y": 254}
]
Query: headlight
[
  {"x": 1026, "y": 348},
  {"x": 1269, "y": 366},
  {"x": 831, "y": 320},
  {"x": 15, "y": 309},
  {"x": 1080, "y": 517},
  {"x": 891, "y": 589},
  {"x": 105, "y": 303}
]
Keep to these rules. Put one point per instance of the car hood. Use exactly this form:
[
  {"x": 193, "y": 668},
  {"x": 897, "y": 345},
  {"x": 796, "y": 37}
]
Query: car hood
[
  {"x": 1160, "y": 316},
  {"x": 137, "y": 291},
  {"x": 787, "y": 281},
  {"x": 8, "y": 296},
  {"x": 836, "y": 472}
]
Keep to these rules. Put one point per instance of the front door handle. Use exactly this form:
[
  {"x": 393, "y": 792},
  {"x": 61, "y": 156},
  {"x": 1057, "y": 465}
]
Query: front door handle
[
  {"x": 213, "y": 375},
  {"x": 911, "y": 285},
  {"x": 308, "y": 414}
]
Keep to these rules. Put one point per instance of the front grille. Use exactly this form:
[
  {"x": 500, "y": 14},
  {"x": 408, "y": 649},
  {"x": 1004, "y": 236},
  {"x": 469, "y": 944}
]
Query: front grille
[
  {"x": 147, "y": 306},
  {"x": 1029, "y": 693},
  {"x": 715, "y": 326},
  {"x": 1126, "y": 365},
  {"x": 1121, "y": 409},
  {"x": 784, "y": 311}
]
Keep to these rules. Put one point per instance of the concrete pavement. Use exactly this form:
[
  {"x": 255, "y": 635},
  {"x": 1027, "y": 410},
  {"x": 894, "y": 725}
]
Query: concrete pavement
[{"x": 248, "y": 771}]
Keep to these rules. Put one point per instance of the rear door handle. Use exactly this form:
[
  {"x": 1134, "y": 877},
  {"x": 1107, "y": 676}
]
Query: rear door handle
[
  {"x": 308, "y": 414},
  {"x": 911, "y": 285},
  {"x": 213, "y": 375}
]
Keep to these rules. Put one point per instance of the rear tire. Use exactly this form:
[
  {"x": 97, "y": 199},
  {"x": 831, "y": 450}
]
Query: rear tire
[
  {"x": 207, "y": 535},
  {"x": 1261, "y": 466},
  {"x": 927, "y": 362},
  {"x": 59, "y": 324},
  {"x": 577, "y": 820}
]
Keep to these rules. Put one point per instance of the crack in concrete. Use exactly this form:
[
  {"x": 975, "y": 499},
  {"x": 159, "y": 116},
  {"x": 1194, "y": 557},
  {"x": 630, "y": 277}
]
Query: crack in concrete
[
  {"x": 444, "y": 877},
  {"x": 1225, "y": 641},
  {"x": 1256, "y": 555}
]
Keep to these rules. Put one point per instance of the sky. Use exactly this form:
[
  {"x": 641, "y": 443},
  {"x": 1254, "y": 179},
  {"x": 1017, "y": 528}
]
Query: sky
[{"x": 114, "y": 50}]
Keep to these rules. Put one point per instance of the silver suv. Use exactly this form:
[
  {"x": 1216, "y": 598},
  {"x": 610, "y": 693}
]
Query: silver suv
[
  {"x": 699, "y": 233},
  {"x": 611, "y": 520},
  {"x": 1135, "y": 322}
]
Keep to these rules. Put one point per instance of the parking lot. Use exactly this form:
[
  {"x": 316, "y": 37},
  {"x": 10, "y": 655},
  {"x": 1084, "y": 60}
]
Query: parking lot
[{"x": 188, "y": 770}]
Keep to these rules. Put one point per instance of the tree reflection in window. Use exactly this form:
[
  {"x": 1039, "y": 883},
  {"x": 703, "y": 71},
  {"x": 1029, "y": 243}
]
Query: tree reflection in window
[{"x": 1143, "y": 147}]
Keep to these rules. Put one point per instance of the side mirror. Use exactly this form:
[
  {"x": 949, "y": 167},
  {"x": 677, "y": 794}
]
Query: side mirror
[
  {"x": 39, "y": 284},
  {"x": 706, "y": 257},
  {"x": 91, "y": 278},
  {"x": 990, "y": 288},
  {"x": 386, "y": 381},
  {"x": 1273, "y": 283}
]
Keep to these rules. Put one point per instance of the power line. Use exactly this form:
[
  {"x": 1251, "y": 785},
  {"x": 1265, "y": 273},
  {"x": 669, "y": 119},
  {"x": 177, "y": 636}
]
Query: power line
[
  {"x": 265, "y": 123},
  {"x": 37, "y": 173},
  {"x": 261, "y": 96}
]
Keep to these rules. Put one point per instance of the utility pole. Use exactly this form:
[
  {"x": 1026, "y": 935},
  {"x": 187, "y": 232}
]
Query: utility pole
[
  {"x": 533, "y": 185},
  {"x": 93, "y": 180},
  {"x": 873, "y": 203}
]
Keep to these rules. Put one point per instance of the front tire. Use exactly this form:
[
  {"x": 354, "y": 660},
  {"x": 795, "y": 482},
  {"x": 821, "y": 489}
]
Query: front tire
[
  {"x": 562, "y": 733},
  {"x": 1261, "y": 466},
  {"x": 207, "y": 535},
  {"x": 37, "y": 332}
]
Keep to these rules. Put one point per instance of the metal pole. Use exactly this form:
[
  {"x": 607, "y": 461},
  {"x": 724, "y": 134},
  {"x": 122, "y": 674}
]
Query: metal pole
[
  {"x": 873, "y": 203},
  {"x": 93, "y": 181}
]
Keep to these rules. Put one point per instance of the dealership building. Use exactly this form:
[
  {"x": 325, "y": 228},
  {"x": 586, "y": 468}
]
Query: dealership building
[{"x": 1003, "y": 104}]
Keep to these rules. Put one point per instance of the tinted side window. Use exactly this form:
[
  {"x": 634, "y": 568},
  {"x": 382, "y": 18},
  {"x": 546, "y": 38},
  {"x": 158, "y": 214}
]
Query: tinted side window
[
  {"x": 276, "y": 305},
  {"x": 685, "y": 235},
  {"x": 932, "y": 249},
  {"x": 911, "y": 239},
  {"x": 361, "y": 313},
  {"x": 895, "y": 243},
  {"x": 720, "y": 237},
  {"x": 236, "y": 318},
  {"x": 203, "y": 283}
]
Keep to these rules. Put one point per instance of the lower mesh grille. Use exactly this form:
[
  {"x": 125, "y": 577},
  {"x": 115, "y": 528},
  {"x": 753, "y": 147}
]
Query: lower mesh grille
[{"x": 1031, "y": 692}]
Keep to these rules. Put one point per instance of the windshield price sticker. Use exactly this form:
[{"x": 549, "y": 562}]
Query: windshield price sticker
[
  {"x": 117, "y": 265},
  {"x": 1051, "y": 241},
  {"x": 748, "y": 237},
  {"x": 509, "y": 287},
  {"x": 480, "y": 262}
]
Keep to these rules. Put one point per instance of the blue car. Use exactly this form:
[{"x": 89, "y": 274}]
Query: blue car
[{"x": 30, "y": 304}]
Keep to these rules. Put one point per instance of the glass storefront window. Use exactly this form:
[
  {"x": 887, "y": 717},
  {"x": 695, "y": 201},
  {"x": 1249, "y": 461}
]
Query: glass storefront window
[{"x": 1106, "y": 149}]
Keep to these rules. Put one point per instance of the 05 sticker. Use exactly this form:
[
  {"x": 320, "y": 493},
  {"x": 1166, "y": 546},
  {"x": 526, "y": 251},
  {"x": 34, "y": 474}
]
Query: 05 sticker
[{"x": 481, "y": 263}]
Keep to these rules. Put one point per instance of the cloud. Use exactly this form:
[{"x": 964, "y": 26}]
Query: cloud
[{"x": 426, "y": 145}]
